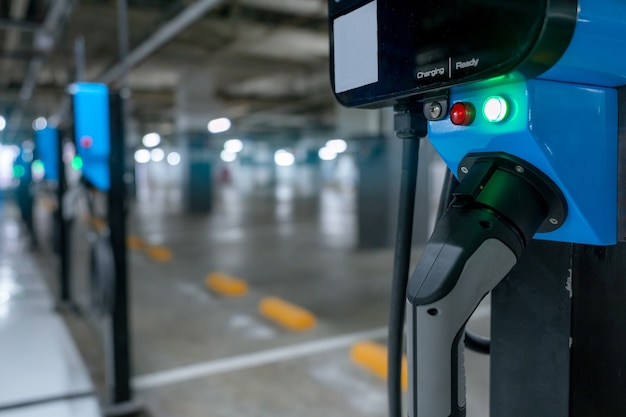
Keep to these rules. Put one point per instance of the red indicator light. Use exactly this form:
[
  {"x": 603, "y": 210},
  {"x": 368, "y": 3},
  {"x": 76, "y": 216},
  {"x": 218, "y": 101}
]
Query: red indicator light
[
  {"x": 86, "y": 142},
  {"x": 462, "y": 114}
]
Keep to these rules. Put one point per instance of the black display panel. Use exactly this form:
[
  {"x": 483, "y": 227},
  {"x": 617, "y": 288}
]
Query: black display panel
[{"x": 423, "y": 46}]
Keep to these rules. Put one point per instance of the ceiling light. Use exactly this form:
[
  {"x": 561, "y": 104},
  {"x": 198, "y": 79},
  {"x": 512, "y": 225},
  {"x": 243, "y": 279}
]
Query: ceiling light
[
  {"x": 151, "y": 140},
  {"x": 228, "y": 156},
  {"x": 142, "y": 156},
  {"x": 40, "y": 123},
  {"x": 233, "y": 145},
  {"x": 327, "y": 154},
  {"x": 219, "y": 125},
  {"x": 337, "y": 145},
  {"x": 173, "y": 158},
  {"x": 284, "y": 158},
  {"x": 157, "y": 155}
]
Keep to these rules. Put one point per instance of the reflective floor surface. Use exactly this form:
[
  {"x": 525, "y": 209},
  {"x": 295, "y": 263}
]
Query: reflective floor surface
[
  {"x": 42, "y": 372},
  {"x": 196, "y": 353}
]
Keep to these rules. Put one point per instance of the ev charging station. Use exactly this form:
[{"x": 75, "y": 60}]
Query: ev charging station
[
  {"x": 522, "y": 99},
  {"x": 49, "y": 148},
  {"x": 92, "y": 131},
  {"x": 22, "y": 170},
  {"x": 99, "y": 139}
]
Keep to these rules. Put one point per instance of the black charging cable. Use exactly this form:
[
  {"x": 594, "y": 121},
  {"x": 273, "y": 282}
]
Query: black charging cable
[{"x": 410, "y": 125}]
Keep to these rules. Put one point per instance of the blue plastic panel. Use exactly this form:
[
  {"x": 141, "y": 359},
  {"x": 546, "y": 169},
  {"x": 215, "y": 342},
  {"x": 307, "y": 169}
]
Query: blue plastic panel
[
  {"x": 595, "y": 55},
  {"x": 92, "y": 131},
  {"x": 568, "y": 131},
  {"x": 46, "y": 146}
]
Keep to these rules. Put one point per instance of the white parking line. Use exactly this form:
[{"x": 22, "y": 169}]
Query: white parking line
[{"x": 235, "y": 363}]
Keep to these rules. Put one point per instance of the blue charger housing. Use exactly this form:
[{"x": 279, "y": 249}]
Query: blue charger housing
[
  {"x": 564, "y": 122},
  {"x": 595, "y": 54},
  {"x": 47, "y": 148},
  {"x": 568, "y": 131},
  {"x": 92, "y": 131}
]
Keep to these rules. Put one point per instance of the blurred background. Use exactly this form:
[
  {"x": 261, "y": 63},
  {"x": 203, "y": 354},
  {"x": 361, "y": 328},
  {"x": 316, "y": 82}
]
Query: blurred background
[{"x": 241, "y": 171}]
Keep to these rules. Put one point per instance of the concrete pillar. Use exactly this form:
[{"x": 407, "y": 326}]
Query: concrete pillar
[
  {"x": 198, "y": 176},
  {"x": 195, "y": 107}
]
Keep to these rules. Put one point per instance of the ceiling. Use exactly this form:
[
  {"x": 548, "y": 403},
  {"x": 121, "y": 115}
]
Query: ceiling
[{"x": 263, "y": 63}]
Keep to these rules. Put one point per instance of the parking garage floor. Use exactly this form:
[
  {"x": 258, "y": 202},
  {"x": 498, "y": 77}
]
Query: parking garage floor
[{"x": 196, "y": 353}]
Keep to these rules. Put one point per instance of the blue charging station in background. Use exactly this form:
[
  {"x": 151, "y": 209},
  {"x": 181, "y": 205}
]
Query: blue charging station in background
[
  {"x": 92, "y": 131},
  {"x": 47, "y": 148},
  {"x": 22, "y": 167}
]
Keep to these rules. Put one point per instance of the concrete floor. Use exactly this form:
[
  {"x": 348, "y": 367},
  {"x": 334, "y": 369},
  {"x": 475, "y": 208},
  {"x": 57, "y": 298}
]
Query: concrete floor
[
  {"x": 43, "y": 373},
  {"x": 298, "y": 248}
]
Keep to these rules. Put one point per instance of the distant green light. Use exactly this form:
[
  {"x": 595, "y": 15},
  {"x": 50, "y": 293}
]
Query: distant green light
[
  {"x": 18, "y": 171},
  {"x": 495, "y": 109},
  {"x": 38, "y": 167},
  {"x": 77, "y": 163}
]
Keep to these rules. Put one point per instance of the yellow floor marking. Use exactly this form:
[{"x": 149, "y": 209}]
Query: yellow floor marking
[
  {"x": 225, "y": 284},
  {"x": 135, "y": 242},
  {"x": 286, "y": 314},
  {"x": 373, "y": 357},
  {"x": 158, "y": 253}
]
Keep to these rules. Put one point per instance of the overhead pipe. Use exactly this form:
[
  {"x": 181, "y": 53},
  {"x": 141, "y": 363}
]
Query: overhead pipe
[
  {"x": 20, "y": 25},
  {"x": 17, "y": 56},
  {"x": 160, "y": 37},
  {"x": 11, "y": 39},
  {"x": 44, "y": 40}
]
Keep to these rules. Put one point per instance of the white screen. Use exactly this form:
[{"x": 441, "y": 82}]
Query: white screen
[{"x": 356, "y": 48}]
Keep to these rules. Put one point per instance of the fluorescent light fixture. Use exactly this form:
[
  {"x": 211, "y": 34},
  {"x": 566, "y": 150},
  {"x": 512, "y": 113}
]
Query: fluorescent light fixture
[
  {"x": 284, "y": 158},
  {"x": 219, "y": 125},
  {"x": 173, "y": 158},
  {"x": 151, "y": 140},
  {"x": 157, "y": 155},
  {"x": 142, "y": 156},
  {"x": 327, "y": 154},
  {"x": 40, "y": 123},
  {"x": 3, "y": 123},
  {"x": 228, "y": 156},
  {"x": 233, "y": 145},
  {"x": 337, "y": 145}
]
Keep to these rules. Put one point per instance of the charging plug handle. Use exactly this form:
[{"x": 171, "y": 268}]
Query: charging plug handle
[{"x": 501, "y": 202}]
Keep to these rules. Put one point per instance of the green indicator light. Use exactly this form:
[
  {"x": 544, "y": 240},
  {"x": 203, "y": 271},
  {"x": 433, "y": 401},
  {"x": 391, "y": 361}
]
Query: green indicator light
[
  {"x": 37, "y": 167},
  {"x": 77, "y": 163},
  {"x": 495, "y": 109},
  {"x": 18, "y": 171}
]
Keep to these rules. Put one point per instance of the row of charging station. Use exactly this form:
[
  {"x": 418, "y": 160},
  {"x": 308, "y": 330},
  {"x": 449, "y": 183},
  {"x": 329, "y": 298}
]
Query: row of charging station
[
  {"x": 99, "y": 142},
  {"x": 91, "y": 133}
]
